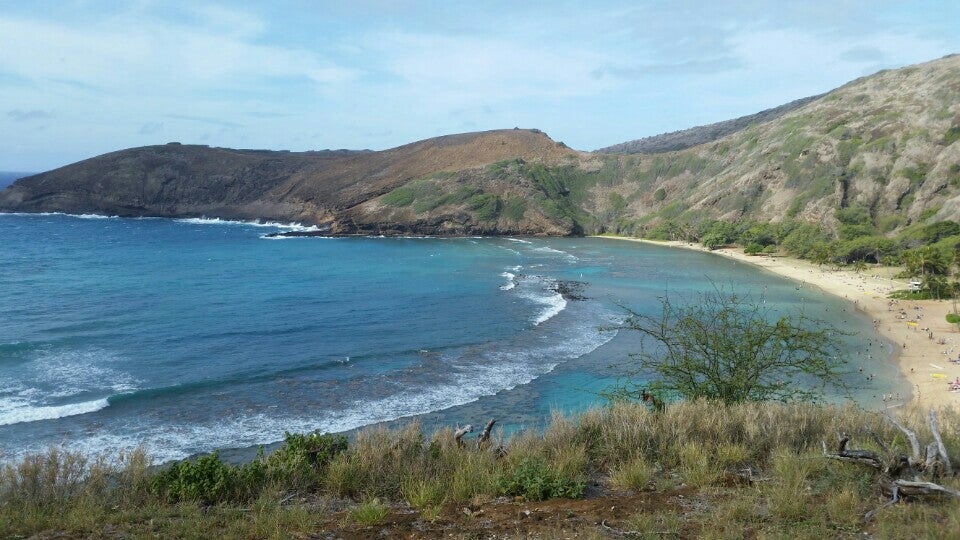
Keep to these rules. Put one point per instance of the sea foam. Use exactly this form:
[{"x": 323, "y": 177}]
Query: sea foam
[
  {"x": 14, "y": 412},
  {"x": 51, "y": 377},
  {"x": 538, "y": 290},
  {"x": 47, "y": 214},
  {"x": 501, "y": 368},
  {"x": 269, "y": 224}
]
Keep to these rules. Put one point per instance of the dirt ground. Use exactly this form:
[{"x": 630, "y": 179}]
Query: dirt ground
[{"x": 601, "y": 516}]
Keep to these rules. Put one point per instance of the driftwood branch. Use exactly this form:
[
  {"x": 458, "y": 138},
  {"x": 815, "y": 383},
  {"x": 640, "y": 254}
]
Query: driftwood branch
[
  {"x": 878, "y": 441},
  {"x": 911, "y": 436},
  {"x": 894, "y": 499},
  {"x": 932, "y": 453},
  {"x": 935, "y": 428},
  {"x": 458, "y": 435},
  {"x": 901, "y": 475},
  {"x": 485, "y": 434},
  {"x": 910, "y": 488},
  {"x": 863, "y": 457}
]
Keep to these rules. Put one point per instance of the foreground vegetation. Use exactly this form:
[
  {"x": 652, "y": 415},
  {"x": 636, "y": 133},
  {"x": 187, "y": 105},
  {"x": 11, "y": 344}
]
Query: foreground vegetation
[{"x": 697, "y": 468}]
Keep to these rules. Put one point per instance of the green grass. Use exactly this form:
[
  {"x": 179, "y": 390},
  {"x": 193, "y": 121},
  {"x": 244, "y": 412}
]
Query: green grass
[
  {"x": 425, "y": 195},
  {"x": 953, "y": 174},
  {"x": 486, "y": 206},
  {"x": 400, "y": 197},
  {"x": 916, "y": 174},
  {"x": 369, "y": 513},
  {"x": 514, "y": 207},
  {"x": 951, "y": 136}
]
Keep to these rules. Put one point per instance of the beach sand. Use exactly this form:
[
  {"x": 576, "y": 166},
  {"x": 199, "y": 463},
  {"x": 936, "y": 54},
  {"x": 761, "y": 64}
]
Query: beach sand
[{"x": 924, "y": 340}]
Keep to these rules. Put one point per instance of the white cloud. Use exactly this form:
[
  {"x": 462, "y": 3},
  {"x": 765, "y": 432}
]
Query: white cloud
[
  {"x": 131, "y": 54},
  {"x": 804, "y": 59},
  {"x": 458, "y": 71},
  {"x": 227, "y": 21},
  {"x": 376, "y": 74}
]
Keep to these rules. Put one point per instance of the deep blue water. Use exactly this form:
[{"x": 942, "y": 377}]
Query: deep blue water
[
  {"x": 7, "y": 178},
  {"x": 189, "y": 336}
]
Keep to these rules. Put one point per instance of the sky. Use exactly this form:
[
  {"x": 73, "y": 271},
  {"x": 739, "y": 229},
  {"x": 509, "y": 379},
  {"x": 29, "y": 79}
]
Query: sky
[{"x": 82, "y": 78}]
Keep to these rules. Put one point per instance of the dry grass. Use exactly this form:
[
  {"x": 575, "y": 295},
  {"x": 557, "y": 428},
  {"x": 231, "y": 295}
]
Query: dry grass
[
  {"x": 694, "y": 445},
  {"x": 634, "y": 475}
]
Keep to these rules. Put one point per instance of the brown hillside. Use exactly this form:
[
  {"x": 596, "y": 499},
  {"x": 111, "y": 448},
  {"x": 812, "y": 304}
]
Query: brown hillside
[{"x": 177, "y": 180}]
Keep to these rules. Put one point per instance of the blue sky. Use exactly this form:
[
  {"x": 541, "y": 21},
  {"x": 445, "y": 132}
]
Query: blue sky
[{"x": 81, "y": 78}]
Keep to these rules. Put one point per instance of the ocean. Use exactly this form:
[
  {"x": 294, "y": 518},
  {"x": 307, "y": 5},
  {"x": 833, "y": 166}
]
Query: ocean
[
  {"x": 192, "y": 335},
  {"x": 7, "y": 178}
]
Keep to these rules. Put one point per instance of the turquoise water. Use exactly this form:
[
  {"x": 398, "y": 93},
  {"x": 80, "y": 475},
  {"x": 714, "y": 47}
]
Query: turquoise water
[{"x": 193, "y": 335}]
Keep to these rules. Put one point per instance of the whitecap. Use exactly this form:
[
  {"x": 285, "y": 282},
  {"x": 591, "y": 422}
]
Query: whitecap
[
  {"x": 68, "y": 373},
  {"x": 270, "y": 224},
  {"x": 510, "y": 283},
  {"x": 52, "y": 377},
  {"x": 92, "y": 216},
  {"x": 552, "y": 301},
  {"x": 279, "y": 237},
  {"x": 63, "y": 214},
  {"x": 14, "y": 411},
  {"x": 466, "y": 381},
  {"x": 548, "y": 249}
]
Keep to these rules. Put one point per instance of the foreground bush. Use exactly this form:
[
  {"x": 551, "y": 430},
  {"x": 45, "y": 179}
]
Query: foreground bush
[
  {"x": 535, "y": 480},
  {"x": 297, "y": 466}
]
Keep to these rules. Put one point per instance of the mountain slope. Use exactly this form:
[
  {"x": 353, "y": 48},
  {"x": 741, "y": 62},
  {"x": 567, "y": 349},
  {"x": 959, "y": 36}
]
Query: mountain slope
[
  {"x": 886, "y": 144},
  {"x": 687, "y": 138}
]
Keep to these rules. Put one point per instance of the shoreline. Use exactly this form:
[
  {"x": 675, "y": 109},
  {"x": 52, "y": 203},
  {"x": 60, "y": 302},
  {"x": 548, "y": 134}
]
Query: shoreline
[{"x": 915, "y": 328}]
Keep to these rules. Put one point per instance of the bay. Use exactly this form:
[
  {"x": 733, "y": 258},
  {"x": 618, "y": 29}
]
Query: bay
[{"x": 192, "y": 335}]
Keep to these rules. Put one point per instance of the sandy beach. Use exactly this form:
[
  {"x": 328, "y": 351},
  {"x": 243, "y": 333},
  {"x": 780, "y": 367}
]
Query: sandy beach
[{"x": 925, "y": 341}]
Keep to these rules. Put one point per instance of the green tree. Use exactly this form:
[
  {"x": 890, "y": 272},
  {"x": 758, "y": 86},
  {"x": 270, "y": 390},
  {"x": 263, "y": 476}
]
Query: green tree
[
  {"x": 723, "y": 347},
  {"x": 924, "y": 261},
  {"x": 821, "y": 253},
  {"x": 713, "y": 241},
  {"x": 938, "y": 286},
  {"x": 803, "y": 238},
  {"x": 718, "y": 234}
]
